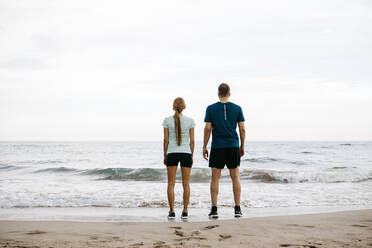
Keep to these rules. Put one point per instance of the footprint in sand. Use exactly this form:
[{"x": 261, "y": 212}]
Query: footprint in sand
[
  {"x": 195, "y": 233},
  {"x": 210, "y": 227},
  {"x": 357, "y": 225},
  {"x": 297, "y": 245},
  {"x": 314, "y": 242},
  {"x": 137, "y": 244},
  {"x": 224, "y": 237},
  {"x": 176, "y": 227},
  {"x": 160, "y": 244},
  {"x": 178, "y": 233},
  {"x": 190, "y": 238},
  {"x": 292, "y": 225},
  {"x": 35, "y": 232},
  {"x": 296, "y": 225}
]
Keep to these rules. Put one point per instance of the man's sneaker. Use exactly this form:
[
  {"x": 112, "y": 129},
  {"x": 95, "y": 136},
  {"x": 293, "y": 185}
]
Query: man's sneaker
[
  {"x": 184, "y": 216},
  {"x": 213, "y": 214},
  {"x": 238, "y": 212},
  {"x": 171, "y": 216}
]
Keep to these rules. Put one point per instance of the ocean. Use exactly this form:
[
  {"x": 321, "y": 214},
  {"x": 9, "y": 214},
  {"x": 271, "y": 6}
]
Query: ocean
[{"x": 127, "y": 180}]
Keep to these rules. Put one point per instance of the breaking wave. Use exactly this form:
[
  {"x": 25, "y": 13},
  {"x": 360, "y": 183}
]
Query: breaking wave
[
  {"x": 57, "y": 169},
  {"x": 262, "y": 160},
  {"x": 10, "y": 167},
  {"x": 203, "y": 175}
]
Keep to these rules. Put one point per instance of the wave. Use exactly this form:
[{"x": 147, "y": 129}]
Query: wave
[
  {"x": 10, "y": 167},
  {"x": 298, "y": 163},
  {"x": 270, "y": 160},
  {"x": 203, "y": 175},
  {"x": 126, "y": 174},
  {"x": 7, "y": 167},
  {"x": 146, "y": 174},
  {"x": 57, "y": 169},
  {"x": 306, "y": 152},
  {"x": 346, "y": 144},
  {"x": 41, "y": 162},
  {"x": 262, "y": 160}
]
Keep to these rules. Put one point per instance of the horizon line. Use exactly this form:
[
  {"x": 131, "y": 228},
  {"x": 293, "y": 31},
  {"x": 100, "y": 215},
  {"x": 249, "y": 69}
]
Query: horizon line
[{"x": 195, "y": 141}]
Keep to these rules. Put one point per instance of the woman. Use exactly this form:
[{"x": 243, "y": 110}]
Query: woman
[{"x": 178, "y": 148}]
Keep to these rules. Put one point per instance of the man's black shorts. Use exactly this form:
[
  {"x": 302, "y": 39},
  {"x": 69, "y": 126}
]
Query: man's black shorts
[
  {"x": 174, "y": 158},
  {"x": 225, "y": 156}
]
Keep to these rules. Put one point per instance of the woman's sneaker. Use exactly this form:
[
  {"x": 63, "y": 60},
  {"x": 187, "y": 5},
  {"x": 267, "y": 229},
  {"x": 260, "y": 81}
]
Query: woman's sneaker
[
  {"x": 238, "y": 212},
  {"x": 213, "y": 214},
  {"x": 171, "y": 216},
  {"x": 184, "y": 216}
]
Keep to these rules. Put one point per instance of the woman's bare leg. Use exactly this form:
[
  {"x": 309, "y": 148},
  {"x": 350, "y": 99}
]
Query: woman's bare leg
[
  {"x": 186, "y": 186},
  {"x": 171, "y": 170}
]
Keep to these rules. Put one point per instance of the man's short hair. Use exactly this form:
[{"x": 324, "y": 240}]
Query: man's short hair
[{"x": 223, "y": 90}]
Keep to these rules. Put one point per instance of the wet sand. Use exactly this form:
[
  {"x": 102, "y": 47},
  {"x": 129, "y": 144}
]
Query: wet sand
[{"x": 338, "y": 229}]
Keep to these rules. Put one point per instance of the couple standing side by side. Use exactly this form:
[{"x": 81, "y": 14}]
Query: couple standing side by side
[{"x": 221, "y": 119}]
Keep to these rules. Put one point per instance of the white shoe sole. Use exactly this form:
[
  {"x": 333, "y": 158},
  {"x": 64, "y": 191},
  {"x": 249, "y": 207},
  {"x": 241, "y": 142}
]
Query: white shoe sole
[{"x": 213, "y": 216}]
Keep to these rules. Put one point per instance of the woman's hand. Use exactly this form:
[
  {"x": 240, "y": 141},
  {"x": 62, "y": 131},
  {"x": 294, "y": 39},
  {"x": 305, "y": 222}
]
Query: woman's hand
[{"x": 165, "y": 160}]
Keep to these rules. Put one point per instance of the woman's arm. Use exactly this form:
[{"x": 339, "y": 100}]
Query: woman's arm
[
  {"x": 192, "y": 141},
  {"x": 165, "y": 143}
]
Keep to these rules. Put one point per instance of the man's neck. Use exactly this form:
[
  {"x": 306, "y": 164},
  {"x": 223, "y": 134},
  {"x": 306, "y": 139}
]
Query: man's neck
[{"x": 224, "y": 99}]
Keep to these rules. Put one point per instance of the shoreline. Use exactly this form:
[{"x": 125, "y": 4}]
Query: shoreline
[
  {"x": 143, "y": 214},
  {"x": 337, "y": 229}
]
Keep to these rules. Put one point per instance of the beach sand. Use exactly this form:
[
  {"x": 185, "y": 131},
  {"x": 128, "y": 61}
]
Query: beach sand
[{"x": 338, "y": 229}]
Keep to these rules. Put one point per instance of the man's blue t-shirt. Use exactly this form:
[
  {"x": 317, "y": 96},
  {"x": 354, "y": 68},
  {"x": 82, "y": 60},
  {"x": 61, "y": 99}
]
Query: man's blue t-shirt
[{"x": 224, "y": 118}]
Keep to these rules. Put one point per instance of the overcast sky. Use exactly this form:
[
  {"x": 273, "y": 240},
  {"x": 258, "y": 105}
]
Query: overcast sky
[{"x": 109, "y": 70}]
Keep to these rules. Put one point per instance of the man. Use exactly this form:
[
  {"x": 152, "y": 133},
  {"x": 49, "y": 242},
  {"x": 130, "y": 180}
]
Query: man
[{"x": 222, "y": 119}]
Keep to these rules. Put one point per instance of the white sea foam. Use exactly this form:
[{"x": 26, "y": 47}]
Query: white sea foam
[{"x": 131, "y": 174}]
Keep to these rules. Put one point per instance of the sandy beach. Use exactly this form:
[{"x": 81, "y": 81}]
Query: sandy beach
[{"x": 338, "y": 229}]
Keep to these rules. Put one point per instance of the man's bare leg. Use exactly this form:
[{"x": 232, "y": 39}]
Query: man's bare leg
[
  {"x": 234, "y": 174},
  {"x": 216, "y": 174}
]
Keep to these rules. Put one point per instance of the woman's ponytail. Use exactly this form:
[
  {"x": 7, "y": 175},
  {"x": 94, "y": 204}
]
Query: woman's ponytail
[{"x": 178, "y": 106}]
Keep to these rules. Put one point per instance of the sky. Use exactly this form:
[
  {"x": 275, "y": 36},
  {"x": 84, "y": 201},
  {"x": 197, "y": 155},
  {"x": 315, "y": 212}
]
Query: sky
[{"x": 78, "y": 70}]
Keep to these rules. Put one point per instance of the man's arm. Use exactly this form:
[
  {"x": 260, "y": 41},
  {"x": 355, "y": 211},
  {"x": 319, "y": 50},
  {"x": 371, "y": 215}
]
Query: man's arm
[
  {"x": 165, "y": 143},
  {"x": 207, "y": 135},
  {"x": 242, "y": 137}
]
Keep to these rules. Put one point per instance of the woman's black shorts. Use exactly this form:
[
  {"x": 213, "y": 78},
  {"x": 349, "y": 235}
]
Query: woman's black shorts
[
  {"x": 225, "y": 156},
  {"x": 174, "y": 158}
]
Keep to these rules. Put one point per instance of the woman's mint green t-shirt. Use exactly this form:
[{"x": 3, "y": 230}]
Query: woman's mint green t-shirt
[{"x": 186, "y": 124}]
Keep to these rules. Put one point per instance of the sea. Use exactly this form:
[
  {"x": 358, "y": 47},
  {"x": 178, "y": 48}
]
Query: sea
[{"x": 127, "y": 181}]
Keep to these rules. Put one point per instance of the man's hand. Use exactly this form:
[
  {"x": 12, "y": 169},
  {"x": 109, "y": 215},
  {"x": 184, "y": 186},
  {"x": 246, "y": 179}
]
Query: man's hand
[
  {"x": 205, "y": 153},
  {"x": 241, "y": 151}
]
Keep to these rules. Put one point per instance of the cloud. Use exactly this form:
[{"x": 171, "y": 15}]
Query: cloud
[{"x": 66, "y": 63}]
